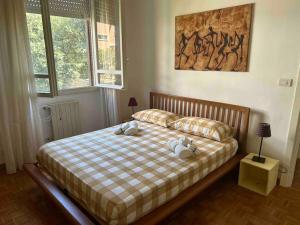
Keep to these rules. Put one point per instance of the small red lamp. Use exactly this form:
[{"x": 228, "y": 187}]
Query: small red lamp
[{"x": 132, "y": 103}]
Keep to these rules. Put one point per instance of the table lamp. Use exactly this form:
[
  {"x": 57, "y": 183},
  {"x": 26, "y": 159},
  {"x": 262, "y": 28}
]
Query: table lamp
[
  {"x": 132, "y": 103},
  {"x": 263, "y": 131}
]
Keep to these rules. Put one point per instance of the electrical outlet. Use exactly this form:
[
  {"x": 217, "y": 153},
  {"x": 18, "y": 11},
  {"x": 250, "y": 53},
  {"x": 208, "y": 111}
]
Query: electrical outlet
[{"x": 285, "y": 82}]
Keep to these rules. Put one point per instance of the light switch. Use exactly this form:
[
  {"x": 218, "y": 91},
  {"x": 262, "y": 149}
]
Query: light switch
[{"x": 286, "y": 82}]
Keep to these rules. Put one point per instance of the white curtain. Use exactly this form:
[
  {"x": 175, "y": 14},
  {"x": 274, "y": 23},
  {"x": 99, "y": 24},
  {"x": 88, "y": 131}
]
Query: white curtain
[
  {"x": 110, "y": 110},
  {"x": 20, "y": 130}
]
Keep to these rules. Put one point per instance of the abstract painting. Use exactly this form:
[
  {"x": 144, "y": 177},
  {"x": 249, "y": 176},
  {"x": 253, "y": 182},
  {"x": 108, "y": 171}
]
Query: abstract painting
[{"x": 216, "y": 40}]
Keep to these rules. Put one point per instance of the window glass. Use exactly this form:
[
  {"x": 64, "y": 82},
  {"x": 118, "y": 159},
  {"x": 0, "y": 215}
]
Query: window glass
[
  {"x": 108, "y": 33},
  {"x": 110, "y": 79},
  {"x": 69, "y": 55},
  {"x": 42, "y": 85},
  {"x": 37, "y": 43},
  {"x": 38, "y": 50},
  {"x": 70, "y": 44}
]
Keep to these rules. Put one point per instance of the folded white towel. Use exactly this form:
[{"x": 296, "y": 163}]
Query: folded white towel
[
  {"x": 125, "y": 126},
  {"x": 132, "y": 129},
  {"x": 128, "y": 129},
  {"x": 172, "y": 143},
  {"x": 183, "y": 152},
  {"x": 188, "y": 143},
  {"x": 121, "y": 129},
  {"x": 183, "y": 148},
  {"x": 192, "y": 147},
  {"x": 118, "y": 131},
  {"x": 184, "y": 141}
]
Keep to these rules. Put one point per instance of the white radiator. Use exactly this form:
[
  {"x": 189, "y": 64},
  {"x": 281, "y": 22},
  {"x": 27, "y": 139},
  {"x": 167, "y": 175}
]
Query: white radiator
[{"x": 65, "y": 119}]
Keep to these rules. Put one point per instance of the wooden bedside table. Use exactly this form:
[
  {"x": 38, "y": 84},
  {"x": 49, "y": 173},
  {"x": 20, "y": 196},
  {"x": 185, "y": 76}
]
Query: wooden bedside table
[{"x": 258, "y": 177}]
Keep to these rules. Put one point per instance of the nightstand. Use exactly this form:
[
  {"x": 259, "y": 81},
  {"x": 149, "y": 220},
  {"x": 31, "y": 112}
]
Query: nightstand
[{"x": 258, "y": 177}]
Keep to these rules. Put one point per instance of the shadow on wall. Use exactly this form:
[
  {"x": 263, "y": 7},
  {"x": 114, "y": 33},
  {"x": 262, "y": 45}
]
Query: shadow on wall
[{"x": 256, "y": 117}]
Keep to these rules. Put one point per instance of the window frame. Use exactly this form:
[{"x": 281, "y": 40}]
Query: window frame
[
  {"x": 93, "y": 71},
  {"x": 49, "y": 48},
  {"x": 44, "y": 76},
  {"x": 94, "y": 38},
  {"x": 103, "y": 38}
]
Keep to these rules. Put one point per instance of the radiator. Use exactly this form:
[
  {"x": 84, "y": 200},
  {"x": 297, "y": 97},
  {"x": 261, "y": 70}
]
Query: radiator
[{"x": 65, "y": 119}]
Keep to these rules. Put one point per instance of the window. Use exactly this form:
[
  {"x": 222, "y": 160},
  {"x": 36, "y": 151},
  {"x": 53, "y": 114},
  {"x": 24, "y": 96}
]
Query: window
[
  {"x": 60, "y": 39},
  {"x": 102, "y": 37},
  {"x": 71, "y": 53},
  {"x": 109, "y": 66},
  {"x": 38, "y": 51}
]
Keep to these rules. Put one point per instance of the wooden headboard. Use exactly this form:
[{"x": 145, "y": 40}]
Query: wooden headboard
[{"x": 233, "y": 115}]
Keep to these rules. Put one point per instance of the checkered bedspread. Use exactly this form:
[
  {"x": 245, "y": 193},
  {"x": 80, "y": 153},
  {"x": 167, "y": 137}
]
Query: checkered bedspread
[{"x": 121, "y": 178}]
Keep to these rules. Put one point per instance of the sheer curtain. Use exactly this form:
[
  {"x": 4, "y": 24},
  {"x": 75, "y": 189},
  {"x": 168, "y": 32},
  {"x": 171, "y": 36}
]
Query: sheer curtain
[
  {"x": 20, "y": 130},
  {"x": 109, "y": 107}
]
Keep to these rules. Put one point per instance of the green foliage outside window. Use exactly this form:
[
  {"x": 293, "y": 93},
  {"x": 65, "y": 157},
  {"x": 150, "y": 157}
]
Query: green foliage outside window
[
  {"x": 70, "y": 51},
  {"x": 37, "y": 44}
]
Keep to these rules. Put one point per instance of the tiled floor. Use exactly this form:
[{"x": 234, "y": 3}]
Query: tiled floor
[{"x": 225, "y": 203}]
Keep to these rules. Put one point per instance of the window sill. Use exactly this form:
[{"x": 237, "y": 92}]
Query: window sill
[
  {"x": 117, "y": 87},
  {"x": 74, "y": 91},
  {"x": 77, "y": 90}
]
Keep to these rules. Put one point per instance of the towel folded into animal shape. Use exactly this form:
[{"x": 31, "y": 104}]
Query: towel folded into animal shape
[
  {"x": 188, "y": 143},
  {"x": 128, "y": 129},
  {"x": 183, "y": 148}
]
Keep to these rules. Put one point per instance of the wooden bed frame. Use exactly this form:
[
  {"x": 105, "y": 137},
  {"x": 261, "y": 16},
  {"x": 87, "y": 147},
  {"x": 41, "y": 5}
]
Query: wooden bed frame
[{"x": 233, "y": 115}]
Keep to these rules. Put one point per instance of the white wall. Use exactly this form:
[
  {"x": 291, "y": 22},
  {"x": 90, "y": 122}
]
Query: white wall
[
  {"x": 139, "y": 51},
  {"x": 275, "y": 53},
  {"x": 293, "y": 140}
]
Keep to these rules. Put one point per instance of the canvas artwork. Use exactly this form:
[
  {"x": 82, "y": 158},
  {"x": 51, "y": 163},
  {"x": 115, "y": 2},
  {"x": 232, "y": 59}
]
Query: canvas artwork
[{"x": 216, "y": 40}]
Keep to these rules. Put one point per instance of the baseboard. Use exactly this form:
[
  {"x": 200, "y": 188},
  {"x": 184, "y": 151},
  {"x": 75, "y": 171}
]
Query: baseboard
[{"x": 286, "y": 180}]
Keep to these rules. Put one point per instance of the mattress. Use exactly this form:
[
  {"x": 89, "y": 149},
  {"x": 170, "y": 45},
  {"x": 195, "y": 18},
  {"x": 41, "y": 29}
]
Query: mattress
[{"x": 119, "y": 179}]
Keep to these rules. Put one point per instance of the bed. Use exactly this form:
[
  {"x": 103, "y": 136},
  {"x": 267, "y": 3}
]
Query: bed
[{"x": 101, "y": 178}]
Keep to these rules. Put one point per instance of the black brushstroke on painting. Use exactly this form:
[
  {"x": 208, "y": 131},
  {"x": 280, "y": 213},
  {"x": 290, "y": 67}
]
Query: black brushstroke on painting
[{"x": 207, "y": 45}]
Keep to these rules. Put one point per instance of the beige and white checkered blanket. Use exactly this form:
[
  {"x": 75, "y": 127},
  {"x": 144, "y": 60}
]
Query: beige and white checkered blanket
[{"x": 121, "y": 178}]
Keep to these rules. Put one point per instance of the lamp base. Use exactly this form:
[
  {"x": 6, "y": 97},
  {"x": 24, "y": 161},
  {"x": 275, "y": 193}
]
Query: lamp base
[{"x": 258, "y": 159}]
